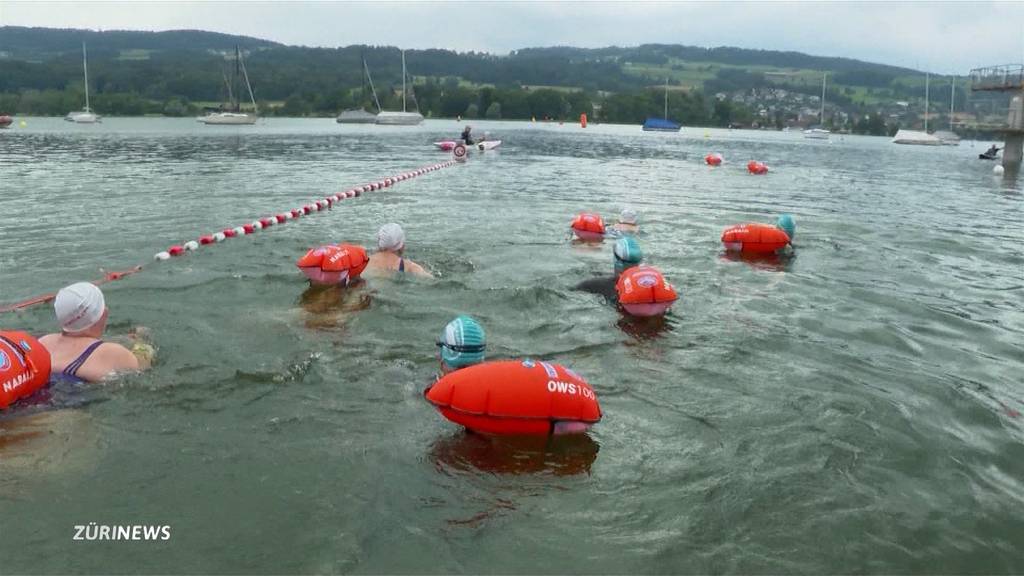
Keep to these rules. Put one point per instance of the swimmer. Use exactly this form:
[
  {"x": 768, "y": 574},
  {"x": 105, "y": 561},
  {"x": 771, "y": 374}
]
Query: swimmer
[
  {"x": 627, "y": 223},
  {"x": 787, "y": 224},
  {"x": 388, "y": 258},
  {"x": 626, "y": 253},
  {"x": 462, "y": 343},
  {"x": 77, "y": 352}
]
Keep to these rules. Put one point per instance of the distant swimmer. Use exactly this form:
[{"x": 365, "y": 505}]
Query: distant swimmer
[
  {"x": 462, "y": 343},
  {"x": 627, "y": 223},
  {"x": 77, "y": 353},
  {"x": 467, "y": 137},
  {"x": 389, "y": 256},
  {"x": 625, "y": 254}
]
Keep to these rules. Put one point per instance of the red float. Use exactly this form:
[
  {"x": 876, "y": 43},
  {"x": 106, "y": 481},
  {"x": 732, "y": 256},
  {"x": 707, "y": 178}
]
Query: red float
[
  {"x": 588, "y": 226},
  {"x": 713, "y": 159},
  {"x": 755, "y": 167},
  {"x": 204, "y": 240},
  {"x": 334, "y": 263},
  {"x": 754, "y": 238},
  {"x": 643, "y": 291},
  {"x": 516, "y": 398},
  {"x": 24, "y": 366}
]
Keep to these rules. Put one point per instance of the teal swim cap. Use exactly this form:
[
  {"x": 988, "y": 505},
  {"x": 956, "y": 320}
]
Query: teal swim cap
[
  {"x": 787, "y": 224},
  {"x": 626, "y": 253},
  {"x": 462, "y": 343}
]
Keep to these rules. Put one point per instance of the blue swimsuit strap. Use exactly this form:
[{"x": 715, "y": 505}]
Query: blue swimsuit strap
[
  {"x": 401, "y": 264},
  {"x": 72, "y": 368}
]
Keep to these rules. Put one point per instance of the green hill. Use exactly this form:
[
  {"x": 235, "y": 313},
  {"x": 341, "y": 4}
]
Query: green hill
[{"x": 170, "y": 72}]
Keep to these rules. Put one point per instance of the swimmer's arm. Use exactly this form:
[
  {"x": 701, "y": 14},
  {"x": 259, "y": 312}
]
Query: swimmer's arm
[
  {"x": 119, "y": 359},
  {"x": 417, "y": 270}
]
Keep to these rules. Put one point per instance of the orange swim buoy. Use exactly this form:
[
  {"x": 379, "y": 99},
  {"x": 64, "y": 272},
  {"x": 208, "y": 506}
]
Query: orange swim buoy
[
  {"x": 24, "y": 366},
  {"x": 516, "y": 398},
  {"x": 755, "y": 167},
  {"x": 334, "y": 263},
  {"x": 713, "y": 159},
  {"x": 643, "y": 291},
  {"x": 588, "y": 226},
  {"x": 754, "y": 238}
]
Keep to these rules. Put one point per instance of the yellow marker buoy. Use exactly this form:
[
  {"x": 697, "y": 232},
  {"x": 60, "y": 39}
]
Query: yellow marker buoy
[{"x": 22, "y": 124}]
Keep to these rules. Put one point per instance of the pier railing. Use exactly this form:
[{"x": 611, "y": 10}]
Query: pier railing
[{"x": 998, "y": 78}]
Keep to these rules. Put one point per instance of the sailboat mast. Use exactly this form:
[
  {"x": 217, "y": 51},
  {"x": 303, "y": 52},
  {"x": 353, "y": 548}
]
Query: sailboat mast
[
  {"x": 236, "y": 104},
  {"x": 952, "y": 98},
  {"x": 370, "y": 80},
  {"x": 85, "y": 67},
  {"x": 666, "y": 97},
  {"x": 403, "y": 80},
  {"x": 821, "y": 114},
  {"x": 252, "y": 97},
  {"x": 925, "y": 102}
]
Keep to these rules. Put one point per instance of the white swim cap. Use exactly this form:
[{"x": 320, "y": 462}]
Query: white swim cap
[
  {"x": 390, "y": 237},
  {"x": 78, "y": 307},
  {"x": 628, "y": 216}
]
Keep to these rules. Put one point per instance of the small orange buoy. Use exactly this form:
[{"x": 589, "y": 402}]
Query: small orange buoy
[
  {"x": 588, "y": 226},
  {"x": 334, "y": 263},
  {"x": 754, "y": 238},
  {"x": 713, "y": 159},
  {"x": 755, "y": 167},
  {"x": 643, "y": 291},
  {"x": 24, "y": 366},
  {"x": 583, "y": 120},
  {"x": 517, "y": 398}
]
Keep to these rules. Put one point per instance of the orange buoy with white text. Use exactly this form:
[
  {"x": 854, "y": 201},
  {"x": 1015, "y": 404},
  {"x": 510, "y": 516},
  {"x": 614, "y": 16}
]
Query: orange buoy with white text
[
  {"x": 24, "y": 366},
  {"x": 754, "y": 238},
  {"x": 588, "y": 226},
  {"x": 643, "y": 291},
  {"x": 516, "y": 398},
  {"x": 334, "y": 263}
]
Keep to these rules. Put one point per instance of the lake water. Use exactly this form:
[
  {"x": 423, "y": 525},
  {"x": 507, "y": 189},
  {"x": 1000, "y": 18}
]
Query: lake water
[{"x": 852, "y": 409}]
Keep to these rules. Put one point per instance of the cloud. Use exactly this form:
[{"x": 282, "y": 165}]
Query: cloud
[{"x": 946, "y": 37}]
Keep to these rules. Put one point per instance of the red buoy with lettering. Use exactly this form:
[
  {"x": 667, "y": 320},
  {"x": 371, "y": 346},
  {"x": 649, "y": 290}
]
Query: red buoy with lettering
[
  {"x": 588, "y": 226},
  {"x": 514, "y": 397},
  {"x": 334, "y": 263},
  {"x": 643, "y": 291},
  {"x": 24, "y": 366},
  {"x": 754, "y": 238}
]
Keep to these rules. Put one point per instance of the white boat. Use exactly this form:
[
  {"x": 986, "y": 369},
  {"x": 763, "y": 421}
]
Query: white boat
[
  {"x": 359, "y": 115},
  {"x": 234, "y": 116},
  {"x": 85, "y": 115},
  {"x": 817, "y": 132},
  {"x": 915, "y": 137},
  {"x": 403, "y": 118}
]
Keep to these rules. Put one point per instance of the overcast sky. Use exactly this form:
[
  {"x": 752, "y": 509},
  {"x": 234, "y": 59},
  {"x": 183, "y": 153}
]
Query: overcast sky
[{"x": 945, "y": 37}]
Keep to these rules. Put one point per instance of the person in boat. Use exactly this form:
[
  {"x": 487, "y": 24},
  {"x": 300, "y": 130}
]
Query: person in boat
[
  {"x": 627, "y": 223},
  {"x": 625, "y": 254},
  {"x": 462, "y": 343},
  {"x": 992, "y": 151},
  {"x": 389, "y": 257},
  {"x": 78, "y": 353},
  {"x": 467, "y": 137}
]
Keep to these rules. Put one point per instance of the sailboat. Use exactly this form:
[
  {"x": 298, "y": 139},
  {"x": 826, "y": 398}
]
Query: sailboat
[
  {"x": 234, "y": 114},
  {"x": 662, "y": 124},
  {"x": 918, "y": 137},
  {"x": 359, "y": 115},
  {"x": 403, "y": 118},
  {"x": 819, "y": 132},
  {"x": 86, "y": 115}
]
